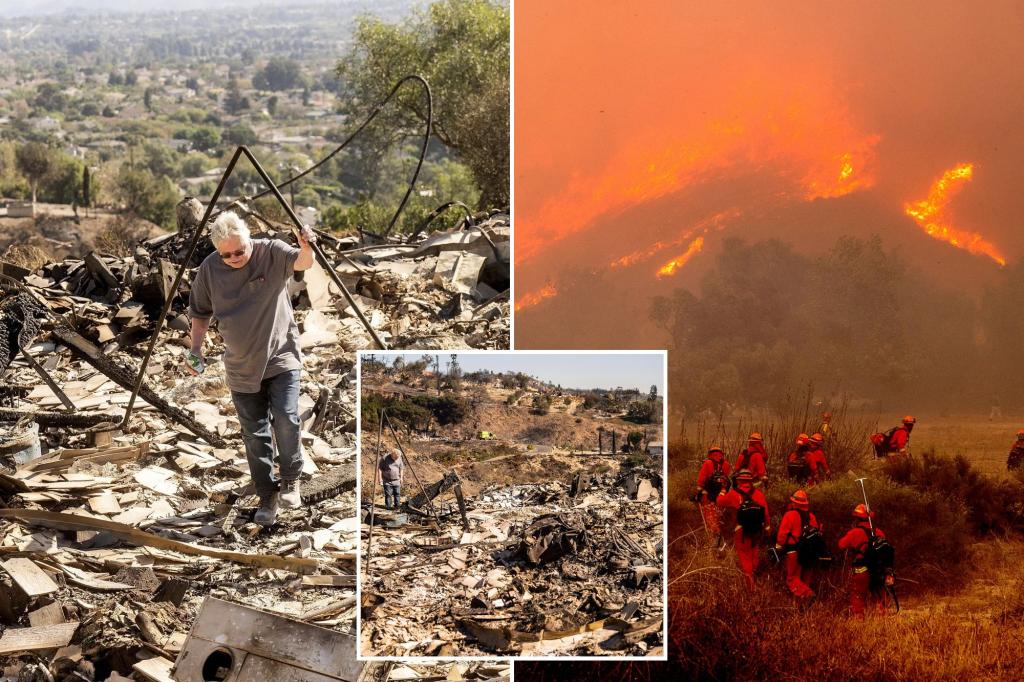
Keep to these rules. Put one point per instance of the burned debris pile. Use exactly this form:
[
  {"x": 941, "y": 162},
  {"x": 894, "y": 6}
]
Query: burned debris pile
[
  {"x": 534, "y": 570},
  {"x": 470, "y": 671},
  {"x": 113, "y": 534}
]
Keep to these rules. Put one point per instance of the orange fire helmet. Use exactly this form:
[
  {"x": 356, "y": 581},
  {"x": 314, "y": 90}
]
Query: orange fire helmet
[
  {"x": 799, "y": 499},
  {"x": 755, "y": 437},
  {"x": 744, "y": 476},
  {"x": 1020, "y": 435},
  {"x": 818, "y": 438},
  {"x": 861, "y": 512},
  {"x": 909, "y": 420},
  {"x": 801, "y": 439}
]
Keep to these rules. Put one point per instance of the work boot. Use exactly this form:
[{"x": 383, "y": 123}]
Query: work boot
[
  {"x": 290, "y": 498},
  {"x": 266, "y": 515}
]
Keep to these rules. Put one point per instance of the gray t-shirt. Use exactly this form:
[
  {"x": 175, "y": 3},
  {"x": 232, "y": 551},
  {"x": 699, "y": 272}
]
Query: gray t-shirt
[
  {"x": 254, "y": 313},
  {"x": 391, "y": 469}
]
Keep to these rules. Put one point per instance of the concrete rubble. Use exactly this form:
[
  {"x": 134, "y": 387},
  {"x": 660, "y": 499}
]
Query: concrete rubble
[
  {"x": 113, "y": 536},
  {"x": 539, "y": 572}
]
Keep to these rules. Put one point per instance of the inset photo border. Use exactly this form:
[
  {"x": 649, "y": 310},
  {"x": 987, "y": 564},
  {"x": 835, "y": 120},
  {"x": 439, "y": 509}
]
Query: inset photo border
[{"x": 512, "y": 504}]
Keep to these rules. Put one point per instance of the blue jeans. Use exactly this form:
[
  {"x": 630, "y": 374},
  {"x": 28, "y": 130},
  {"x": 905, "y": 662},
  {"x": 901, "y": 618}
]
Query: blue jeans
[
  {"x": 392, "y": 492},
  {"x": 276, "y": 406}
]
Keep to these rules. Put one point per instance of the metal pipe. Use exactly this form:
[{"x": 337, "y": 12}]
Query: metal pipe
[{"x": 373, "y": 493}]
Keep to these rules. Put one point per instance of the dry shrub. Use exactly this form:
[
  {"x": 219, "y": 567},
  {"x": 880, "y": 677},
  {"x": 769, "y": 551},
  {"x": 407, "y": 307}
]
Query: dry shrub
[
  {"x": 928, "y": 530},
  {"x": 121, "y": 235},
  {"x": 993, "y": 506},
  {"x": 27, "y": 256},
  {"x": 847, "y": 448},
  {"x": 719, "y": 631}
]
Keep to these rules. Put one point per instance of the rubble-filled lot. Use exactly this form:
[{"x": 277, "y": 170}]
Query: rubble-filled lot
[
  {"x": 112, "y": 538},
  {"x": 560, "y": 568}
]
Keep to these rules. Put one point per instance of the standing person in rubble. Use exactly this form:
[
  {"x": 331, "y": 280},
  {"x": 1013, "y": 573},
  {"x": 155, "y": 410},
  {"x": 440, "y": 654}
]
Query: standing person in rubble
[
  {"x": 753, "y": 458},
  {"x": 753, "y": 522},
  {"x": 1016, "y": 459},
  {"x": 389, "y": 475},
  {"x": 244, "y": 285},
  {"x": 800, "y": 543},
  {"x": 872, "y": 561},
  {"x": 816, "y": 462},
  {"x": 712, "y": 481}
]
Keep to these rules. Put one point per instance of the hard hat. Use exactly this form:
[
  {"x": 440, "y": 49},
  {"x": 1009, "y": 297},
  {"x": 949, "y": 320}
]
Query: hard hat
[
  {"x": 755, "y": 436},
  {"x": 1020, "y": 434},
  {"x": 801, "y": 439},
  {"x": 799, "y": 498},
  {"x": 818, "y": 438},
  {"x": 744, "y": 476},
  {"x": 861, "y": 512},
  {"x": 909, "y": 420},
  {"x": 715, "y": 448}
]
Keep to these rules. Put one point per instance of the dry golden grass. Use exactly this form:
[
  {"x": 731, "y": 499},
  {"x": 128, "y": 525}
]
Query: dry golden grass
[
  {"x": 719, "y": 631},
  {"x": 27, "y": 256}
]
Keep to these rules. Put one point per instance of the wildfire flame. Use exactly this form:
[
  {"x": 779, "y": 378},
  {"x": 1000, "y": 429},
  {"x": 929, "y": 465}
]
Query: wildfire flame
[
  {"x": 930, "y": 214},
  {"x": 669, "y": 268},
  {"x": 716, "y": 220},
  {"x": 801, "y": 134},
  {"x": 533, "y": 298}
]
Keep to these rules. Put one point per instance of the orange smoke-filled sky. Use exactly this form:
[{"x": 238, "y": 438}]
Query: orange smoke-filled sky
[{"x": 639, "y": 126}]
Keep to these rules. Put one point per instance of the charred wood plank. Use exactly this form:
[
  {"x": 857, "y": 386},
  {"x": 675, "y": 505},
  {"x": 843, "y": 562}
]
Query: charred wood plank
[
  {"x": 58, "y": 419},
  {"x": 100, "y": 272}
]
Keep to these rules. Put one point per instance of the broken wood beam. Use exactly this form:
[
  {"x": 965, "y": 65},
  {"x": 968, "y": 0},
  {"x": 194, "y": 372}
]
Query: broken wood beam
[
  {"x": 58, "y": 419},
  {"x": 74, "y": 522},
  {"x": 125, "y": 378},
  {"x": 45, "y": 376}
]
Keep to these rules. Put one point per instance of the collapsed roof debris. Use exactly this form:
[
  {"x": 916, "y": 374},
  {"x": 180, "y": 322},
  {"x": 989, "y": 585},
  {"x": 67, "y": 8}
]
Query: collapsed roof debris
[
  {"x": 539, "y": 572},
  {"x": 113, "y": 535}
]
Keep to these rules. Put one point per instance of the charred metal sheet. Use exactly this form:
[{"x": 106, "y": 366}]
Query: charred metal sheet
[
  {"x": 237, "y": 643},
  {"x": 551, "y": 537}
]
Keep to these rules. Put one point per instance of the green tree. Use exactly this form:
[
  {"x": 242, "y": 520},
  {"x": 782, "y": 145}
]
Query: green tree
[
  {"x": 204, "y": 138},
  {"x": 195, "y": 164},
  {"x": 87, "y": 188},
  {"x": 160, "y": 159},
  {"x": 240, "y": 134},
  {"x": 63, "y": 181},
  {"x": 145, "y": 195},
  {"x": 280, "y": 73},
  {"x": 642, "y": 411},
  {"x": 234, "y": 100},
  {"x": 462, "y": 48},
  {"x": 34, "y": 160},
  {"x": 50, "y": 96}
]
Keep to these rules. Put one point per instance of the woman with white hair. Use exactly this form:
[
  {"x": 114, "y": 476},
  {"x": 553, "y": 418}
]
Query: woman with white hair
[{"x": 244, "y": 285}]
